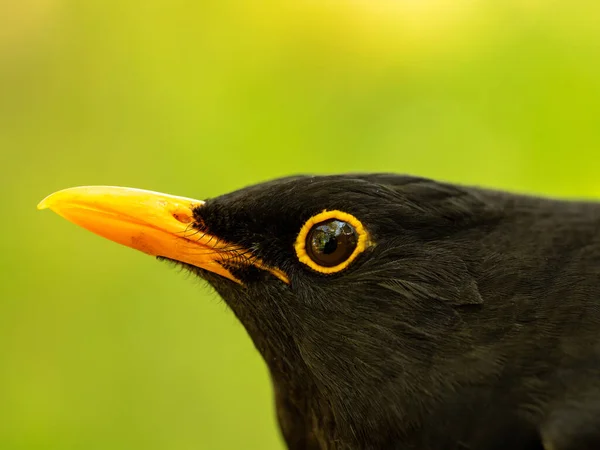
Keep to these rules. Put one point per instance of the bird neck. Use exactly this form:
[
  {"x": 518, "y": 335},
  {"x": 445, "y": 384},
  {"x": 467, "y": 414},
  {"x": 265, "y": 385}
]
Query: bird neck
[{"x": 305, "y": 416}]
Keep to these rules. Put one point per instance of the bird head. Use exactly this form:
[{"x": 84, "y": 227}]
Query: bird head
[{"x": 356, "y": 288}]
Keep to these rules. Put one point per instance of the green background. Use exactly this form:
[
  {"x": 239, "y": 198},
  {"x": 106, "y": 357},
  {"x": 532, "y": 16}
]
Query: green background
[{"x": 105, "y": 348}]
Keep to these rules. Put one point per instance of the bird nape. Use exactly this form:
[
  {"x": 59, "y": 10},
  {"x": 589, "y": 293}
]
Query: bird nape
[{"x": 393, "y": 311}]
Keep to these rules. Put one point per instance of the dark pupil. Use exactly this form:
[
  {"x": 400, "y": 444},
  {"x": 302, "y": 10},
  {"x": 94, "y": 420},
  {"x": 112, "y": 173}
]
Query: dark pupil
[{"x": 331, "y": 242}]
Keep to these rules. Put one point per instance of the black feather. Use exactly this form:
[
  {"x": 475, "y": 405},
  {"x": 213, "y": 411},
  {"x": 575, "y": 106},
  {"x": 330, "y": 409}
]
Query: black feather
[{"x": 472, "y": 323}]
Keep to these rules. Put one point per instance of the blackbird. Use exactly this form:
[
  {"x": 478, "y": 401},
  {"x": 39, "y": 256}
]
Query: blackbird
[{"x": 393, "y": 312}]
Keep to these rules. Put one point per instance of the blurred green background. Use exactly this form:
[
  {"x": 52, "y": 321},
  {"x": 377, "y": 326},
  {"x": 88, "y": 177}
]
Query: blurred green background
[{"x": 104, "y": 348}]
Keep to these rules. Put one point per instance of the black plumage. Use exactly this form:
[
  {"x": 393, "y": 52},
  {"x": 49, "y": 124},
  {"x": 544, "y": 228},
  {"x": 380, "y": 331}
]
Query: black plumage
[{"x": 472, "y": 321}]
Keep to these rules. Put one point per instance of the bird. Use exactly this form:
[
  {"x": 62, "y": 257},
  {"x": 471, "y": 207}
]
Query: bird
[{"x": 393, "y": 311}]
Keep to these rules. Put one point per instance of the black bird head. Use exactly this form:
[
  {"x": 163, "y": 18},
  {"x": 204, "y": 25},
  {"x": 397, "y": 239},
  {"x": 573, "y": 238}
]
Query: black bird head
[{"x": 357, "y": 290}]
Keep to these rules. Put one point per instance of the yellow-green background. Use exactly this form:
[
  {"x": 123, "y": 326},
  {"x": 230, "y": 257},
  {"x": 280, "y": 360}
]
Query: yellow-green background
[{"x": 104, "y": 348}]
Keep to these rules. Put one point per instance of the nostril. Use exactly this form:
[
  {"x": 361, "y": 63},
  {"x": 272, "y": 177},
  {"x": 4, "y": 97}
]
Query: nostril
[{"x": 183, "y": 215}]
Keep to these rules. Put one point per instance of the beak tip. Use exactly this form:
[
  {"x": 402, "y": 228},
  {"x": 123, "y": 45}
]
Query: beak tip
[
  {"x": 44, "y": 204},
  {"x": 56, "y": 198}
]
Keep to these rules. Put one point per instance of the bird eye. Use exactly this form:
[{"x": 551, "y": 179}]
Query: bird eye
[
  {"x": 328, "y": 242},
  {"x": 331, "y": 242}
]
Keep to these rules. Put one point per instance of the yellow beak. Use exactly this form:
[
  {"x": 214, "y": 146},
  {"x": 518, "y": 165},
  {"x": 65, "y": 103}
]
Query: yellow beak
[{"x": 154, "y": 223}]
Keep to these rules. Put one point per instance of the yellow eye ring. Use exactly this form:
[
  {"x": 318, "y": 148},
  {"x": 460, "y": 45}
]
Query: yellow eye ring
[{"x": 362, "y": 240}]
